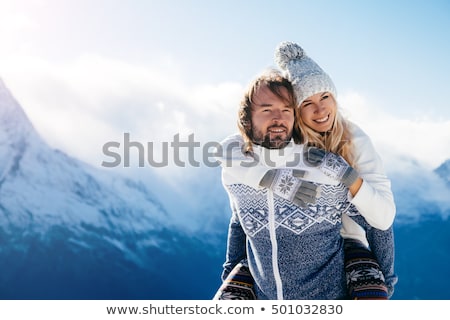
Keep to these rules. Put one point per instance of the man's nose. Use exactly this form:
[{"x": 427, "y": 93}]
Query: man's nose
[{"x": 276, "y": 115}]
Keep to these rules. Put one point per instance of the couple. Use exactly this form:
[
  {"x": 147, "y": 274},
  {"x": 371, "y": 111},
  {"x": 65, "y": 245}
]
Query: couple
[{"x": 308, "y": 194}]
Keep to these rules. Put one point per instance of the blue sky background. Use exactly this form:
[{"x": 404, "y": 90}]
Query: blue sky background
[{"x": 88, "y": 71}]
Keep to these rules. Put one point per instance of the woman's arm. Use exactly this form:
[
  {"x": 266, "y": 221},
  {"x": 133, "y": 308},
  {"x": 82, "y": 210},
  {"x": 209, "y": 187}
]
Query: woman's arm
[
  {"x": 237, "y": 166},
  {"x": 266, "y": 169},
  {"x": 374, "y": 198}
]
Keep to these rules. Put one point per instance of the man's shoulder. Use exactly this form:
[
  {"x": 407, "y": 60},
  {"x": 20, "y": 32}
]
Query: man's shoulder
[
  {"x": 231, "y": 148},
  {"x": 233, "y": 138},
  {"x": 234, "y": 142}
]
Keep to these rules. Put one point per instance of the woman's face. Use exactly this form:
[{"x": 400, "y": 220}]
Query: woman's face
[{"x": 318, "y": 111}]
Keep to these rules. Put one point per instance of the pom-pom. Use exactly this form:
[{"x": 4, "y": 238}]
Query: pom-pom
[{"x": 287, "y": 51}]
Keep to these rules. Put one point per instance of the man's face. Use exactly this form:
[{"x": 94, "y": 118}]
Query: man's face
[{"x": 272, "y": 119}]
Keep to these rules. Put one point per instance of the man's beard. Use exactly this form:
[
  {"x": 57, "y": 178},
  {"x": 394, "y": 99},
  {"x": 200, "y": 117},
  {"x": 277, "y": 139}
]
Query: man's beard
[{"x": 277, "y": 141}]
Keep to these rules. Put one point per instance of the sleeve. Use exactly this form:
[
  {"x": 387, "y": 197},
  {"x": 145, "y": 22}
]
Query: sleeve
[
  {"x": 352, "y": 230},
  {"x": 237, "y": 166},
  {"x": 236, "y": 244},
  {"x": 374, "y": 200}
]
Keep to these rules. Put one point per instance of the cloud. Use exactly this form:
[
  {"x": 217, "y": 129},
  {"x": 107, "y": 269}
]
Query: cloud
[
  {"x": 419, "y": 192},
  {"x": 411, "y": 149},
  {"x": 79, "y": 105},
  {"x": 422, "y": 139}
]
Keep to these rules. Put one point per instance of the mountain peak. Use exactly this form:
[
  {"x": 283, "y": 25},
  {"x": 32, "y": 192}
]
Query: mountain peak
[
  {"x": 444, "y": 171},
  {"x": 16, "y": 133},
  {"x": 14, "y": 123}
]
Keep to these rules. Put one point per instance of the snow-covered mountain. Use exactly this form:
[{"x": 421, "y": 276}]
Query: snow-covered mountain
[
  {"x": 56, "y": 187},
  {"x": 68, "y": 230}
]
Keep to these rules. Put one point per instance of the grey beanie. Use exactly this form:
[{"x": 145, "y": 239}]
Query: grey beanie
[{"x": 305, "y": 75}]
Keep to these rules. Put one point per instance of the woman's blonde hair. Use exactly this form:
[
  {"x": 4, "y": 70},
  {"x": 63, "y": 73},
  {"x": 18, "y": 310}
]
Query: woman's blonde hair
[{"x": 337, "y": 140}]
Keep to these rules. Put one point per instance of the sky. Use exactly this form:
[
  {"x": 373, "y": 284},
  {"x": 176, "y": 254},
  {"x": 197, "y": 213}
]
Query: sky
[{"x": 88, "y": 73}]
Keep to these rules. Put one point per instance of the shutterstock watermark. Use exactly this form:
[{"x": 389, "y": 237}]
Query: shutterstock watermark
[{"x": 181, "y": 153}]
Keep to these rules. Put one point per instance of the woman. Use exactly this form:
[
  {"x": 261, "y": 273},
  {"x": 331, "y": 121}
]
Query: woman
[{"x": 322, "y": 126}]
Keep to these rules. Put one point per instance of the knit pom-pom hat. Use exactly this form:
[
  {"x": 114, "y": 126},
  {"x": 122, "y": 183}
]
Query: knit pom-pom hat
[{"x": 305, "y": 75}]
